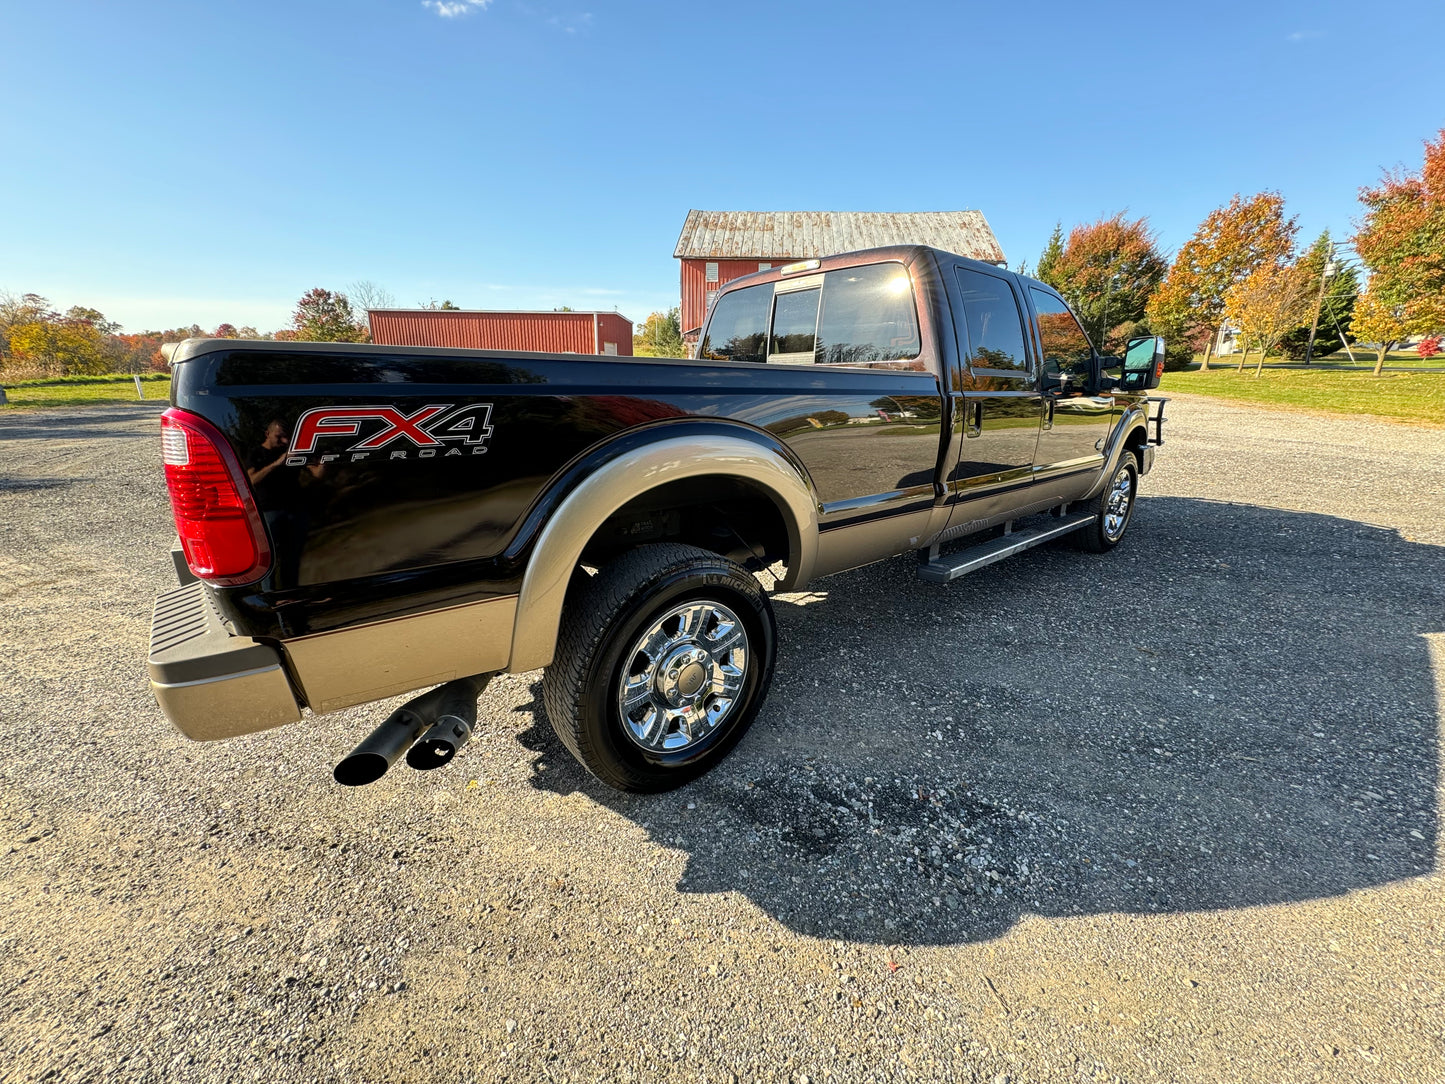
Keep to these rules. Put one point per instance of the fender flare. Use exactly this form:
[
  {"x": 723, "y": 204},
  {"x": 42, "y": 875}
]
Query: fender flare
[
  {"x": 561, "y": 541},
  {"x": 1132, "y": 420}
]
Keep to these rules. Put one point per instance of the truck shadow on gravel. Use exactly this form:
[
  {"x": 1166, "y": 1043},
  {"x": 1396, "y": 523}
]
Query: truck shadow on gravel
[{"x": 1235, "y": 708}]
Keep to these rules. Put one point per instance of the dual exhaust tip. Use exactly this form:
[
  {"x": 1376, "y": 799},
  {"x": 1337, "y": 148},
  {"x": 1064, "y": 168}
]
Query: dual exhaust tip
[{"x": 429, "y": 730}]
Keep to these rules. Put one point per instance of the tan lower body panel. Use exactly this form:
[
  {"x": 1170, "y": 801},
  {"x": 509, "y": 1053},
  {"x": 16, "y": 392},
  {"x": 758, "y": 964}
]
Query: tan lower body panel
[
  {"x": 223, "y": 707},
  {"x": 863, "y": 543},
  {"x": 369, "y": 662}
]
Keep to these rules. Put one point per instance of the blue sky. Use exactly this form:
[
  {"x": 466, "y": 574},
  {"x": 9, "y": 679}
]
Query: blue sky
[{"x": 178, "y": 162}]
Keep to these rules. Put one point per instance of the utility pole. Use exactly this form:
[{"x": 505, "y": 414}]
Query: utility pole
[{"x": 1325, "y": 274}]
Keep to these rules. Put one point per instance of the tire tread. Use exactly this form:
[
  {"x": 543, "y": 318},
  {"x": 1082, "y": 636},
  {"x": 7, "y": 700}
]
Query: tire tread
[{"x": 586, "y": 625}]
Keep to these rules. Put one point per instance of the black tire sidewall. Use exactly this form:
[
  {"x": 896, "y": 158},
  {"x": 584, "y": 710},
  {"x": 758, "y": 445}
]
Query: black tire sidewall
[
  {"x": 601, "y": 720},
  {"x": 1132, "y": 465}
]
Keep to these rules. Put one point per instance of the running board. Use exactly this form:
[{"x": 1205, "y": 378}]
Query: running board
[{"x": 947, "y": 569}]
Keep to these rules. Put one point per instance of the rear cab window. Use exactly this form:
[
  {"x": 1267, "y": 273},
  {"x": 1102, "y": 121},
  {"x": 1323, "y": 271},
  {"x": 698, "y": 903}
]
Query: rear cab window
[
  {"x": 738, "y": 329},
  {"x": 868, "y": 316},
  {"x": 854, "y": 316},
  {"x": 794, "y": 338}
]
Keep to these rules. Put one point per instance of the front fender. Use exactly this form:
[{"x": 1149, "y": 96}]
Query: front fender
[
  {"x": 1133, "y": 421},
  {"x": 571, "y": 526}
]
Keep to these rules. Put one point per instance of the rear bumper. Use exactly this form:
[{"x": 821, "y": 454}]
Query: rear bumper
[{"x": 209, "y": 683}]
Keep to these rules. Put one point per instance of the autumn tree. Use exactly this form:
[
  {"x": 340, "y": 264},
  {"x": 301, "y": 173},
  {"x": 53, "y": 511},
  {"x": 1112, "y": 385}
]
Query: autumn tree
[
  {"x": 1107, "y": 272},
  {"x": 1402, "y": 241},
  {"x": 18, "y": 309},
  {"x": 63, "y": 346},
  {"x": 1381, "y": 320},
  {"x": 1267, "y": 304},
  {"x": 1230, "y": 244},
  {"x": 324, "y": 316},
  {"x": 660, "y": 336}
]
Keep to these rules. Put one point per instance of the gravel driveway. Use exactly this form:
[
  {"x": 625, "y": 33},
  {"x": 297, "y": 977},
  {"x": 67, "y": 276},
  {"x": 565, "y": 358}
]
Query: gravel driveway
[{"x": 1167, "y": 814}]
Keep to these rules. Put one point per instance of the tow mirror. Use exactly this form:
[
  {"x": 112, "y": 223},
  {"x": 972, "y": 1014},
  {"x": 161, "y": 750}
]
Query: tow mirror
[{"x": 1143, "y": 363}]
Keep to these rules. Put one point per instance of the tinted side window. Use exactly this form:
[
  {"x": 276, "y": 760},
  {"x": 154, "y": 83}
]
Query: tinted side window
[
  {"x": 1066, "y": 347},
  {"x": 995, "y": 328},
  {"x": 795, "y": 325},
  {"x": 868, "y": 315},
  {"x": 738, "y": 330}
]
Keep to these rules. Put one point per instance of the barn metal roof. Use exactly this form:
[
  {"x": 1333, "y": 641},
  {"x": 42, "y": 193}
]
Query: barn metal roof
[{"x": 804, "y": 235}]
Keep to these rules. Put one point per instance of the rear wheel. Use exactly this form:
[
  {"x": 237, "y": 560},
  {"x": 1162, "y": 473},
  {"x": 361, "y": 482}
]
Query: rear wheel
[
  {"x": 1113, "y": 508},
  {"x": 662, "y": 662}
]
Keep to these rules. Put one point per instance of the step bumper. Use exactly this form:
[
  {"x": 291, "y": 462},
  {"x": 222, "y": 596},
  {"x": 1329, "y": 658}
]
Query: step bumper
[{"x": 211, "y": 684}]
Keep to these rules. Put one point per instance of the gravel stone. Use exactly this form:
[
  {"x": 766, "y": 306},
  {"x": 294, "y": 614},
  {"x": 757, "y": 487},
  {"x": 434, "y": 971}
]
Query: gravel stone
[{"x": 1165, "y": 814}]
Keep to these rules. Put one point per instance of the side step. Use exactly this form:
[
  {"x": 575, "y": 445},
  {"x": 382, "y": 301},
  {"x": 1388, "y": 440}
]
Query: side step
[{"x": 947, "y": 569}]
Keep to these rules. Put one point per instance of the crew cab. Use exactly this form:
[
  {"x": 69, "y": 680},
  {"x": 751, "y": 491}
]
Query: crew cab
[{"x": 358, "y": 522}]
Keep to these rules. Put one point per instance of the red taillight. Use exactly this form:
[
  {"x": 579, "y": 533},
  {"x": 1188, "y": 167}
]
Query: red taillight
[{"x": 221, "y": 531}]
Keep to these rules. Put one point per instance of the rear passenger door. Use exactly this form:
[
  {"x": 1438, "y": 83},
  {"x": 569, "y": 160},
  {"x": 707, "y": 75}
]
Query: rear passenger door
[{"x": 1002, "y": 405}]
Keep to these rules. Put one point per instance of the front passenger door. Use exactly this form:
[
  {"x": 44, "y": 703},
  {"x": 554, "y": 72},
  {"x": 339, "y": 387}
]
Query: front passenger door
[{"x": 1077, "y": 419}]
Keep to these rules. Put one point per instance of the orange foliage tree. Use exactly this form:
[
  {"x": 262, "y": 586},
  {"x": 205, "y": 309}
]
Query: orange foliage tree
[
  {"x": 1381, "y": 320},
  {"x": 1107, "y": 272},
  {"x": 1229, "y": 245},
  {"x": 1402, "y": 241},
  {"x": 1269, "y": 303}
]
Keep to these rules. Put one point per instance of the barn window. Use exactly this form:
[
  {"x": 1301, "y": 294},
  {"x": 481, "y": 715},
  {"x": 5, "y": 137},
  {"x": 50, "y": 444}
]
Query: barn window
[
  {"x": 711, "y": 297},
  {"x": 710, "y": 272},
  {"x": 765, "y": 267}
]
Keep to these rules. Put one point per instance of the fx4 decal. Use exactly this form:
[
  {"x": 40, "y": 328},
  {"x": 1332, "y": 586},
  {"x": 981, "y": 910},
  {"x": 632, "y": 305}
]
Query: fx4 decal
[{"x": 438, "y": 429}]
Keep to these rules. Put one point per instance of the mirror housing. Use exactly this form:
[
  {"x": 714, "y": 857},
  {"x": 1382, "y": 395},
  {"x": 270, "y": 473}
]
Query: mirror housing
[{"x": 1143, "y": 363}]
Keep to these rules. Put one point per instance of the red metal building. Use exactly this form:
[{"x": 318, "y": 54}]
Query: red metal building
[
  {"x": 716, "y": 247},
  {"x": 476, "y": 329}
]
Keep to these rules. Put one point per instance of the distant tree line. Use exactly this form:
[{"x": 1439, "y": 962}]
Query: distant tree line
[
  {"x": 1242, "y": 270},
  {"x": 36, "y": 339}
]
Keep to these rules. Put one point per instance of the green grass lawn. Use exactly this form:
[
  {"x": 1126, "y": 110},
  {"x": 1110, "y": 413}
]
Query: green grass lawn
[
  {"x": 1412, "y": 397},
  {"x": 75, "y": 391},
  {"x": 1364, "y": 359}
]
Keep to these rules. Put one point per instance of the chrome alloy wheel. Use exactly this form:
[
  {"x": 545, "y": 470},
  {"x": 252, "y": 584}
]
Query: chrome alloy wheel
[
  {"x": 683, "y": 676},
  {"x": 1116, "y": 508}
]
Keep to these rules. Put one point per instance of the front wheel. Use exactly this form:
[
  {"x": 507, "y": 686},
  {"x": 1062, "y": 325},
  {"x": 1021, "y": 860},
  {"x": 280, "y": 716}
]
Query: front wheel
[
  {"x": 1112, "y": 509},
  {"x": 663, "y": 661}
]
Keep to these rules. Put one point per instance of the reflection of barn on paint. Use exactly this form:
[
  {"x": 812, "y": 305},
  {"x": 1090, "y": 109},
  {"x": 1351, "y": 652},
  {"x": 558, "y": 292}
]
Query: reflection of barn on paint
[
  {"x": 474, "y": 329},
  {"x": 719, "y": 246}
]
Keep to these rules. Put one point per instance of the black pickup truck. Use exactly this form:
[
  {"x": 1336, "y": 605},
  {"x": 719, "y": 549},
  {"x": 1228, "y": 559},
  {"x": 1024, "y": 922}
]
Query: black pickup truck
[{"x": 357, "y": 522}]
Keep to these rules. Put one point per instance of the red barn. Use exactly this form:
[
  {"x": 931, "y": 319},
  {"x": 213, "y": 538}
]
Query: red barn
[
  {"x": 487, "y": 329},
  {"x": 718, "y": 246}
]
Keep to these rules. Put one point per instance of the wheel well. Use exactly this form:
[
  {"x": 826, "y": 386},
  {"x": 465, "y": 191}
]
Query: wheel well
[
  {"x": 1136, "y": 440},
  {"x": 730, "y": 516}
]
